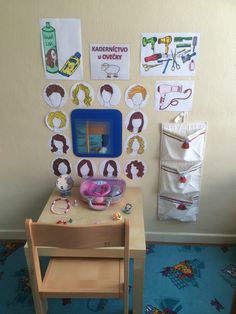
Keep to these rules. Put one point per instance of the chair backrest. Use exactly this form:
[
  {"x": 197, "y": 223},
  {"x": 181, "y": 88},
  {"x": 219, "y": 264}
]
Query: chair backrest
[{"x": 77, "y": 237}]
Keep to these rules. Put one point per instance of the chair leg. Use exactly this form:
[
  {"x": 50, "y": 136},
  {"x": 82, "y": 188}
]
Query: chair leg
[
  {"x": 42, "y": 305},
  {"x": 126, "y": 304}
]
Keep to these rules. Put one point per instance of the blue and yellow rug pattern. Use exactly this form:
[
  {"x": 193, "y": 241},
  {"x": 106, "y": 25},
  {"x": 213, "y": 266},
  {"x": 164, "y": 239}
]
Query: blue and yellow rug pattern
[{"x": 178, "y": 280}]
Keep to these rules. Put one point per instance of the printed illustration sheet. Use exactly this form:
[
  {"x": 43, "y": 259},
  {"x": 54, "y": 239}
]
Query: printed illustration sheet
[
  {"x": 169, "y": 54},
  {"x": 61, "y": 48},
  {"x": 109, "y": 61},
  {"x": 174, "y": 95}
]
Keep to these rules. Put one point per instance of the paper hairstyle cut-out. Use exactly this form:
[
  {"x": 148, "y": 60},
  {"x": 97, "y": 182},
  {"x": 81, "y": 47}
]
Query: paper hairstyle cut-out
[
  {"x": 135, "y": 145},
  {"x": 136, "y": 96},
  {"x": 136, "y": 121},
  {"x": 109, "y": 95},
  {"x": 109, "y": 168},
  {"x": 56, "y": 121},
  {"x": 82, "y": 94},
  {"x": 55, "y": 95},
  {"x": 135, "y": 169},
  {"x": 61, "y": 166},
  {"x": 59, "y": 144},
  {"x": 85, "y": 168}
]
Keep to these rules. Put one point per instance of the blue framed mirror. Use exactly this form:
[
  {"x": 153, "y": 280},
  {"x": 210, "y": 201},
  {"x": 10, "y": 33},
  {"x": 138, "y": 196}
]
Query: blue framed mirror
[{"x": 96, "y": 132}]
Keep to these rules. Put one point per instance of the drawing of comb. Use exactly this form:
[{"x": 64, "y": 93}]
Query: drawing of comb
[{"x": 194, "y": 43}]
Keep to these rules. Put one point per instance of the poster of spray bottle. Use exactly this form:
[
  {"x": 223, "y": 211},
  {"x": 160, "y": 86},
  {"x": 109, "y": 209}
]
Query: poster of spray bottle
[
  {"x": 61, "y": 48},
  {"x": 169, "y": 54}
]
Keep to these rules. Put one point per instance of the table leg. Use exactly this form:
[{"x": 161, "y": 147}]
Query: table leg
[
  {"x": 138, "y": 287},
  {"x": 40, "y": 306}
]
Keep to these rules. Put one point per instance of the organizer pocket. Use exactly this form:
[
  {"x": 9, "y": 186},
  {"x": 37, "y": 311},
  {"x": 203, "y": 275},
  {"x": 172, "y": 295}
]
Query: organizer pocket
[
  {"x": 179, "y": 207},
  {"x": 183, "y": 141},
  {"x": 180, "y": 177}
]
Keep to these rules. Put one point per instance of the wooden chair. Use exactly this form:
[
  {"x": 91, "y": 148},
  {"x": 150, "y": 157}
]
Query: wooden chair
[{"x": 80, "y": 277}]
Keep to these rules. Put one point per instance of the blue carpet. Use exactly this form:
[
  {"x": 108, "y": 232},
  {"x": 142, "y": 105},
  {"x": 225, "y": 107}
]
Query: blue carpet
[{"x": 178, "y": 279}]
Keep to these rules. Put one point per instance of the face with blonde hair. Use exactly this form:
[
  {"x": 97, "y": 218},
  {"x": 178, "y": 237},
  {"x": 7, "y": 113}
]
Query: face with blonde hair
[
  {"x": 137, "y": 94},
  {"x": 56, "y": 120}
]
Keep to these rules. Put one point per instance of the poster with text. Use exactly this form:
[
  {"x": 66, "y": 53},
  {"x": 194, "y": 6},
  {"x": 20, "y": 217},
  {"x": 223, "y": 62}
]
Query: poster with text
[
  {"x": 109, "y": 61},
  {"x": 174, "y": 95},
  {"x": 61, "y": 48},
  {"x": 169, "y": 54}
]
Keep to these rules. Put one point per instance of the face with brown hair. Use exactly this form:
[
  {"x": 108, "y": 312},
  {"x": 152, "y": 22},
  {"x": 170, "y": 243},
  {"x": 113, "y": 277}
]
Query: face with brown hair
[
  {"x": 58, "y": 142},
  {"x": 135, "y": 169},
  {"x": 110, "y": 167},
  {"x": 61, "y": 166},
  {"x": 136, "y": 121},
  {"x": 106, "y": 92},
  {"x": 51, "y": 58},
  {"x": 85, "y": 168}
]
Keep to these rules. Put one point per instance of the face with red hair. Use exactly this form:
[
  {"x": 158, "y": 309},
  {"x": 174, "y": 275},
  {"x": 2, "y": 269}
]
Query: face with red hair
[
  {"x": 136, "y": 121},
  {"x": 135, "y": 169}
]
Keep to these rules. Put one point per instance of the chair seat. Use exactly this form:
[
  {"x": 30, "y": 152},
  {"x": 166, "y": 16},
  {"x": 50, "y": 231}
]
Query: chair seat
[{"x": 84, "y": 277}]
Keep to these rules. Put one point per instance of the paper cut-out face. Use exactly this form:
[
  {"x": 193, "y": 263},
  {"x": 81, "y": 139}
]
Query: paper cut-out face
[
  {"x": 109, "y": 168},
  {"x": 59, "y": 144},
  {"x": 135, "y": 145},
  {"x": 137, "y": 99},
  {"x": 85, "y": 168},
  {"x": 61, "y": 166},
  {"x": 55, "y": 95},
  {"x": 56, "y": 121},
  {"x": 136, "y": 96},
  {"x": 106, "y": 92},
  {"x": 136, "y": 122},
  {"x": 135, "y": 169},
  {"x": 109, "y": 95},
  {"x": 82, "y": 94}
]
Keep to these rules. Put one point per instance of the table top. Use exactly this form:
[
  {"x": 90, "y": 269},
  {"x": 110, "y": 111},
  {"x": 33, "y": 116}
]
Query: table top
[{"x": 82, "y": 214}]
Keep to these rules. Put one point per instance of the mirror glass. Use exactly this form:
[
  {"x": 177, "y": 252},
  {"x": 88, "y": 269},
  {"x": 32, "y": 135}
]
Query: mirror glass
[{"x": 96, "y": 132}]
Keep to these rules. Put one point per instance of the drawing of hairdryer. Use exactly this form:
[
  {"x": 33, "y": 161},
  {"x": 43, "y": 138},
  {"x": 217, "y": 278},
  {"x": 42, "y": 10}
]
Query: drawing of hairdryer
[
  {"x": 164, "y": 89},
  {"x": 166, "y": 41},
  {"x": 151, "y": 40}
]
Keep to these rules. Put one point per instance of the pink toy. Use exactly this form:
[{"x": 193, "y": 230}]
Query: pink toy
[{"x": 99, "y": 193}]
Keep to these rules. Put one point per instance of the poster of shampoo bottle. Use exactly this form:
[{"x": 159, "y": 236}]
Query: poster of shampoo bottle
[{"x": 61, "y": 48}]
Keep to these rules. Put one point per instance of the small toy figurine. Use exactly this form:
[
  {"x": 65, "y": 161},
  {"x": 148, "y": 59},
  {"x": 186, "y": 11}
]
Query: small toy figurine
[
  {"x": 64, "y": 184},
  {"x": 127, "y": 209},
  {"x": 116, "y": 216}
]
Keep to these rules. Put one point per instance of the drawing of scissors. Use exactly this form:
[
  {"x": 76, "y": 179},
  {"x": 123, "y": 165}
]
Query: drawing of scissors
[
  {"x": 147, "y": 67},
  {"x": 175, "y": 65}
]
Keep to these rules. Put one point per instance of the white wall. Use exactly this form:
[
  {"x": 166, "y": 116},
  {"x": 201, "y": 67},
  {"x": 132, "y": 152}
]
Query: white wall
[{"x": 26, "y": 180}]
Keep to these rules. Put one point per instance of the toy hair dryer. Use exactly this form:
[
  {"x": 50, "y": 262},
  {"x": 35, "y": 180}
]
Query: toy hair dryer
[
  {"x": 151, "y": 40},
  {"x": 166, "y": 41},
  {"x": 164, "y": 89}
]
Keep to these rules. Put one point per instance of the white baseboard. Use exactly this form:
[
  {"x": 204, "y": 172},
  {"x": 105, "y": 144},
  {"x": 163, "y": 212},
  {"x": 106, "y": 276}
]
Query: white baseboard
[
  {"x": 165, "y": 237},
  {"x": 12, "y": 234},
  {"x": 182, "y": 237}
]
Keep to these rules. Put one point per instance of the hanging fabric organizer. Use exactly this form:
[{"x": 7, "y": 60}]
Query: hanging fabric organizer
[
  {"x": 182, "y": 153},
  {"x": 180, "y": 177}
]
